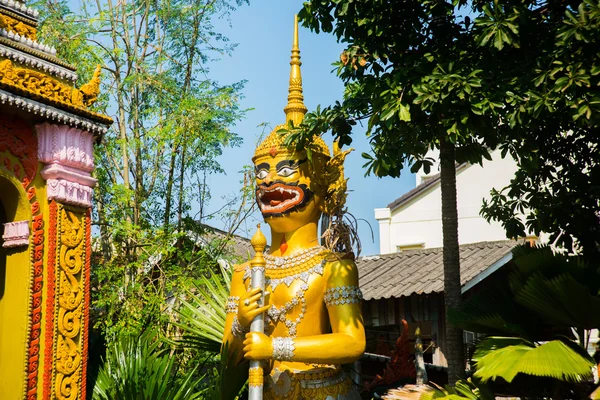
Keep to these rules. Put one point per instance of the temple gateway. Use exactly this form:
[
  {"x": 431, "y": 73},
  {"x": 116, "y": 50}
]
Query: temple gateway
[{"x": 47, "y": 134}]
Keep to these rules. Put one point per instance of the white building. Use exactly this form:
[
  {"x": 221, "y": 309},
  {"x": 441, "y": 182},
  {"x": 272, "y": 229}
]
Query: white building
[{"x": 414, "y": 220}]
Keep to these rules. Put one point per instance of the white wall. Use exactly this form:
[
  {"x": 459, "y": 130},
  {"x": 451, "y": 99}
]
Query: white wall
[{"x": 420, "y": 220}]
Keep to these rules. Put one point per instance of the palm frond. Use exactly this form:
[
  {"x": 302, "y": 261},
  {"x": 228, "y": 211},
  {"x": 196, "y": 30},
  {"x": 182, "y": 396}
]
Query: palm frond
[
  {"x": 561, "y": 300},
  {"x": 202, "y": 318},
  {"x": 494, "y": 312},
  {"x": 506, "y": 357},
  {"x": 136, "y": 367},
  {"x": 231, "y": 377}
]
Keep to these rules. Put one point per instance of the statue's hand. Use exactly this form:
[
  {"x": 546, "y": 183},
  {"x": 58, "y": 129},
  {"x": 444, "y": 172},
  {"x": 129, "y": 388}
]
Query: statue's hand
[
  {"x": 258, "y": 346},
  {"x": 248, "y": 307}
]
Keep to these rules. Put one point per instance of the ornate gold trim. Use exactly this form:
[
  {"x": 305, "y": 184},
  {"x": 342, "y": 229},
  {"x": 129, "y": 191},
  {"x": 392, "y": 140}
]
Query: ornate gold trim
[
  {"x": 69, "y": 313},
  {"x": 255, "y": 377},
  {"x": 16, "y": 25},
  {"x": 27, "y": 20},
  {"x": 37, "y": 53},
  {"x": 39, "y": 85}
]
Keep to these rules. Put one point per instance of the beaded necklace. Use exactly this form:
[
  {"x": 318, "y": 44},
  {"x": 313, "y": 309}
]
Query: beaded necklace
[{"x": 286, "y": 270}]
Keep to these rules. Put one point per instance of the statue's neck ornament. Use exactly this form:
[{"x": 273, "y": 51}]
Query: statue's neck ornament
[
  {"x": 299, "y": 266},
  {"x": 292, "y": 260},
  {"x": 287, "y": 269}
]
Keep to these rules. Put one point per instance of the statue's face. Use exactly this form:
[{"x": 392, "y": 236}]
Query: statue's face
[{"x": 284, "y": 192}]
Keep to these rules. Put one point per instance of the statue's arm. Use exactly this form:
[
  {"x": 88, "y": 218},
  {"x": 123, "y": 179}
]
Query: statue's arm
[{"x": 346, "y": 343}]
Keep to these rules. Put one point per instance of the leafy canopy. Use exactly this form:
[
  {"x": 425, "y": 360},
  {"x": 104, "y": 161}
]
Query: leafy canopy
[
  {"x": 416, "y": 73},
  {"x": 553, "y": 109}
]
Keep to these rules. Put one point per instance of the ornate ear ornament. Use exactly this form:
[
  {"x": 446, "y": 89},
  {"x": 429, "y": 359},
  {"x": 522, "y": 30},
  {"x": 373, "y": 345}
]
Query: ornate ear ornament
[
  {"x": 336, "y": 184},
  {"x": 338, "y": 226}
]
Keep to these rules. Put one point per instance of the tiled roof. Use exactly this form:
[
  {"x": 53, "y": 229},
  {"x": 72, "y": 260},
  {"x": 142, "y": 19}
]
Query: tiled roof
[
  {"x": 236, "y": 248},
  {"x": 430, "y": 182},
  {"x": 421, "y": 271}
]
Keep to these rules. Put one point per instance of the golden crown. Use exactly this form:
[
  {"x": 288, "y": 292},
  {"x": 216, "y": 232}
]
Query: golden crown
[
  {"x": 328, "y": 172},
  {"x": 274, "y": 145},
  {"x": 294, "y": 111}
]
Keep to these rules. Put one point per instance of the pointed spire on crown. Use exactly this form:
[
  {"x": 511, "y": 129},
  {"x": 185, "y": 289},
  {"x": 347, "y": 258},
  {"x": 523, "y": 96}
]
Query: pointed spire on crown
[{"x": 295, "y": 108}]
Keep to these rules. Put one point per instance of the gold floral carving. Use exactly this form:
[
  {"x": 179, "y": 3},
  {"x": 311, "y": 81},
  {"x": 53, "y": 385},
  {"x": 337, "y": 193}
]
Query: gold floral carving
[
  {"x": 16, "y": 26},
  {"x": 70, "y": 302},
  {"x": 40, "y": 84}
]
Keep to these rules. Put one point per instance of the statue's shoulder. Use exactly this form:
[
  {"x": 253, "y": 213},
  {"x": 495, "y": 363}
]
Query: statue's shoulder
[
  {"x": 340, "y": 269},
  {"x": 344, "y": 258},
  {"x": 335, "y": 261},
  {"x": 240, "y": 267}
]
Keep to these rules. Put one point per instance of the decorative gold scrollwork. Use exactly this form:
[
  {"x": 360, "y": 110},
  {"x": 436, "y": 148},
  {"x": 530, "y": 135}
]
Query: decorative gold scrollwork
[{"x": 69, "y": 317}]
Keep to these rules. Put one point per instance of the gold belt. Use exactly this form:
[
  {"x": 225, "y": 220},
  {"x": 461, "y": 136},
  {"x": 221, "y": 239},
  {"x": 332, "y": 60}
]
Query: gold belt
[{"x": 290, "y": 384}]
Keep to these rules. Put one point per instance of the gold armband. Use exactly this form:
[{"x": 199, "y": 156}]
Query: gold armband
[{"x": 339, "y": 295}]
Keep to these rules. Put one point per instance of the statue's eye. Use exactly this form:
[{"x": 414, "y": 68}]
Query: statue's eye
[
  {"x": 286, "y": 171},
  {"x": 262, "y": 174}
]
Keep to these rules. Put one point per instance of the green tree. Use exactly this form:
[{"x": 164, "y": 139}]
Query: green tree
[
  {"x": 553, "y": 111},
  {"x": 417, "y": 75},
  {"x": 171, "y": 124}
]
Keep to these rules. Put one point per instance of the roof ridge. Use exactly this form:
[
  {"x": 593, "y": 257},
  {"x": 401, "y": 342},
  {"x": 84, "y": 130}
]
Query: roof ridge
[
  {"x": 420, "y": 188},
  {"x": 440, "y": 249}
]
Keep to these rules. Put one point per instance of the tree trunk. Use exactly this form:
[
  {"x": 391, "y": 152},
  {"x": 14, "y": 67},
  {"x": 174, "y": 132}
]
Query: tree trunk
[{"x": 452, "y": 294}]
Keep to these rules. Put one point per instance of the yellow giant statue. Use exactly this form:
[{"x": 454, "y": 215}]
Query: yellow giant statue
[{"x": 312, "y": 310}]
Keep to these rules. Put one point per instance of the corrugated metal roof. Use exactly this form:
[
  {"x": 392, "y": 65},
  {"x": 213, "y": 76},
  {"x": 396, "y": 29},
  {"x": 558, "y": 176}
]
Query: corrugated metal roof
[{"x": 422, "y": 271}]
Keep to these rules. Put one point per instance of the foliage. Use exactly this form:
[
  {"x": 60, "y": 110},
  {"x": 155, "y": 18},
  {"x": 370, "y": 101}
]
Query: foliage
[
  {"x": 552, "y": 110},
  {"x": 498, "y": 357},
  {"x": 231, "y": 378},
  {"x": 416, "y": 81},
  {"x": 201, "y": 325},
  {"x": 138, "y": 368},
  {"x": 202, "y": 315},
  {"x": 545, "y": 292},
  {"x": 171, "y": 124},
  {"x": 544, "y": 296}
]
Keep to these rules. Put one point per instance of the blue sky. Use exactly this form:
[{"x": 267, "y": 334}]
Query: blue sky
[{"x": 263, "y": 31}]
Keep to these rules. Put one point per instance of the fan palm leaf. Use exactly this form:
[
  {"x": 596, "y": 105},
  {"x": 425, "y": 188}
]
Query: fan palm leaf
[
  {"x": 499, "y": 357},
  {"x": 494, "y": 312},
  {"x": 563, "y": 290},
  {"x": 135, "y": 368},
  {"x": 561, "y": 300},
  {"x": 202, "y": 321}
]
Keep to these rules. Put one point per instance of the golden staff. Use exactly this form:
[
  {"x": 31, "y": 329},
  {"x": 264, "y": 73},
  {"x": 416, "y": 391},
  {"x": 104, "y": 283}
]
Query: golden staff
[{"x": 257, "y": 280}]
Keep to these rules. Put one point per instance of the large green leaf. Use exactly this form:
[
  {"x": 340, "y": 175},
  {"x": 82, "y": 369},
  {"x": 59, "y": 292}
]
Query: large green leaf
[{"x": 507, "y": 357}]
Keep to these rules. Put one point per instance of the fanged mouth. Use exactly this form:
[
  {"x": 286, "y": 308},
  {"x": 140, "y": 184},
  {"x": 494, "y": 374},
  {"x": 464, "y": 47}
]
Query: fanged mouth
[{"x": 278, "y": 198}]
